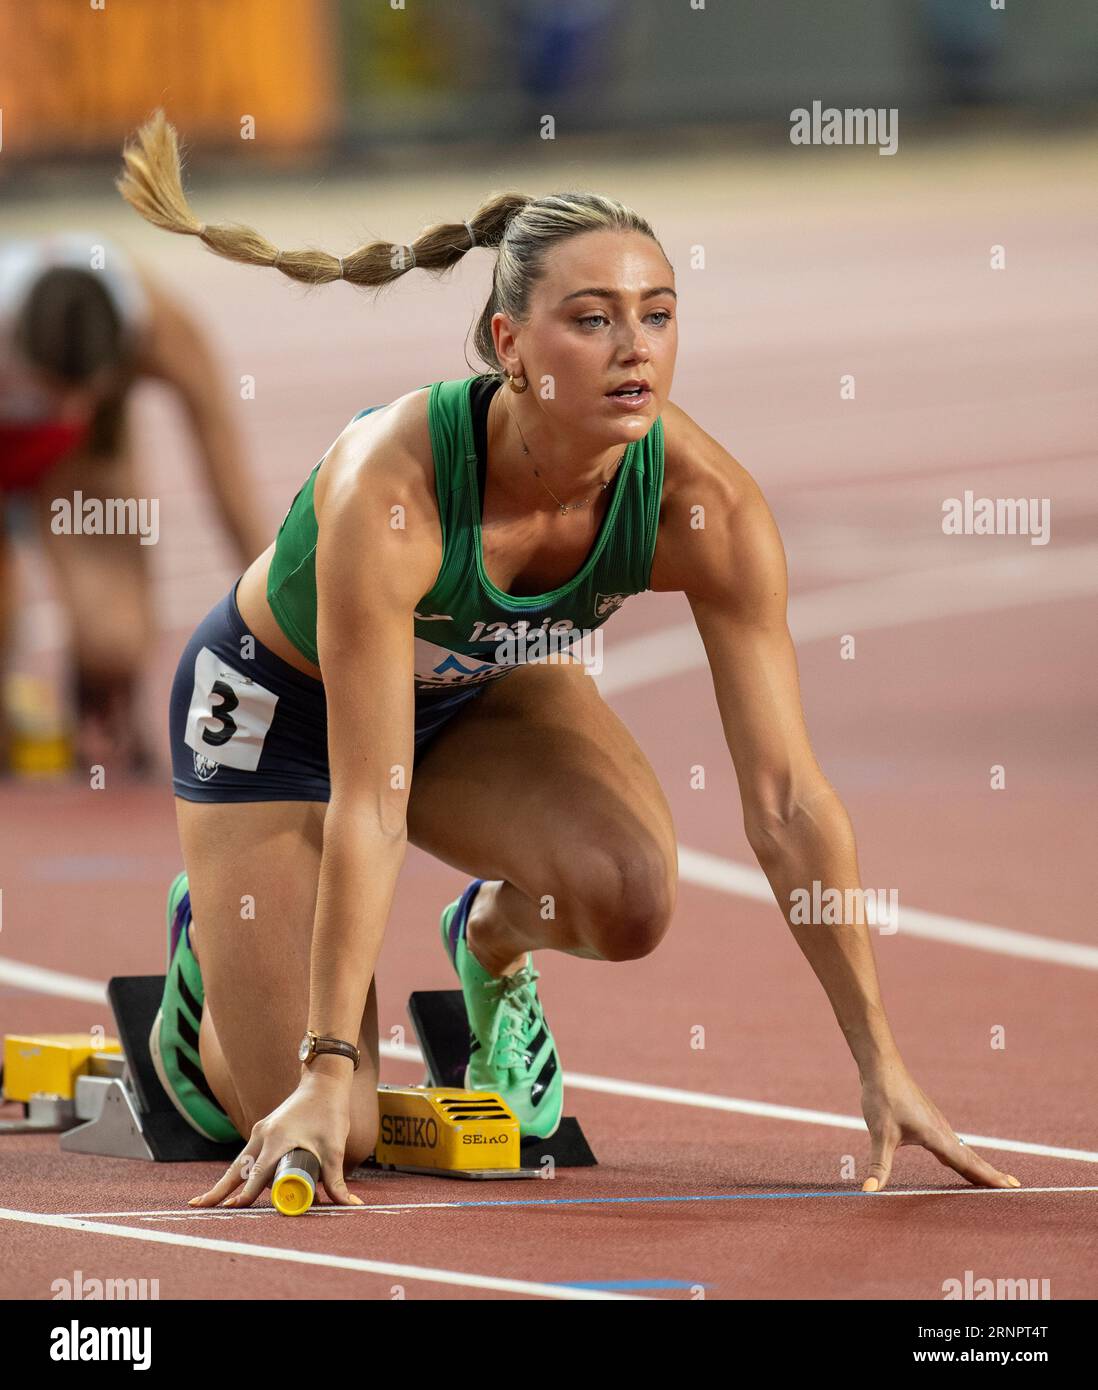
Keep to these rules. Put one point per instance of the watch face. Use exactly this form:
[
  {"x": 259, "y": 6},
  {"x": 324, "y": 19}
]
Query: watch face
[{"x": 304, "y": 1050}]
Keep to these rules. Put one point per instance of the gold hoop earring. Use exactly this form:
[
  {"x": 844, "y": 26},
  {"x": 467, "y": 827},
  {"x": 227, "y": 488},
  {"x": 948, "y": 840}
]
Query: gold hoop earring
[{"x": 518, "y": 390}]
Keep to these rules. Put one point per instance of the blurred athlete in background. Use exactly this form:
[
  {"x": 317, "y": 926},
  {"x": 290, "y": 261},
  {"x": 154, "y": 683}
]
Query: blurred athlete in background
[{"x": 74, "y": 341}]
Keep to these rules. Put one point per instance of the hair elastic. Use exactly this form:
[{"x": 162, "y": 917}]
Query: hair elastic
[
  {"x": 472, "y": 236},
  {"x": 340, "y": 260},
  {"x": 411, "y": 252}
]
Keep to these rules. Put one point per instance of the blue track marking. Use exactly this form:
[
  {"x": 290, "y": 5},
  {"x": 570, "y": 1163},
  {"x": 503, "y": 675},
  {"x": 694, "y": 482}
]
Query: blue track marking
[
  {"x": 80, "y": 868},
  {"x": 330, "y": 1211},
  {"x": 636, "y": 1201},
  {"x": 959, "y": 1191}
]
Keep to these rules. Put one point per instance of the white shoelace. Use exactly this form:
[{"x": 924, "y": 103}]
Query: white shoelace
[{"x": 516, "y": 1019}]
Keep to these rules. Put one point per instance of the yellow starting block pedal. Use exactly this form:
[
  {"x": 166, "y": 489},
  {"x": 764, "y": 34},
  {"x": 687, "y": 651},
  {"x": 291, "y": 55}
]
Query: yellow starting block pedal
[
  {"x": 43, "y": 1072},
  {"x": 49, "y": 1063},
  {"x": 448, "y": 1133}
]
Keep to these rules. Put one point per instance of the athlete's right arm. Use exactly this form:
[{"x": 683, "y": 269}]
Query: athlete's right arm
[{"x": 378, "y": 552}]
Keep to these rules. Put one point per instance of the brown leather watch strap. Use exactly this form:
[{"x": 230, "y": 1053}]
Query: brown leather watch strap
[
  {"x": 343, "y": 1049},
  {"x": 318, "y": 1045}
]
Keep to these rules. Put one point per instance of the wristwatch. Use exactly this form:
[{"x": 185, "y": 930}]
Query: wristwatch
[{"x": 312, "y": 1045}]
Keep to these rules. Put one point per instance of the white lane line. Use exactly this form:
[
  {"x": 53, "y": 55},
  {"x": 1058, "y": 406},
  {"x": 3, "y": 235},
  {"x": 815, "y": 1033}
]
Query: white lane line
[
  {"x": 704, "y": 1100},
  {"x": 743, "y": 881},
  {"x": 307, "y": 1257},
  {"x": 40, "y": 980},
  {"x": 392, "y": 1208},
  {"x": 701, "y": 1100},
  {"x": 1037, "y": 574}
]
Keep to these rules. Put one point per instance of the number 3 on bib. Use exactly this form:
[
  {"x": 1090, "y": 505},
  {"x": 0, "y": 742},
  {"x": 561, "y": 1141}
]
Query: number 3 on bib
[{"x": 229, "y": 714}]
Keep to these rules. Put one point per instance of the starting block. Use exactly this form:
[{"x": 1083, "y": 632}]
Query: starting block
[
  {"x": 447, "y": 1133},
  {"x": 105, "y": 1098},
  {"x": 439, "y": 1019},
  {"x": 107, "y": 1102},
  {"x": 43, "y": 1072}
]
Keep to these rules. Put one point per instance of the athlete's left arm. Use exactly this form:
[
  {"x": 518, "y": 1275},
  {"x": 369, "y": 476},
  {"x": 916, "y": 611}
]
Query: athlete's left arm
[
  {"x": 177, "y": 351},
  {"x": 733, "y": 571}
]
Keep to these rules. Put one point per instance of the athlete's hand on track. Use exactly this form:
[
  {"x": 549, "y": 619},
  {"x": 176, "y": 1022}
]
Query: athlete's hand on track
[
  {"x": 899, "y": 1112},
  {"x": 316, "y": 1116}
]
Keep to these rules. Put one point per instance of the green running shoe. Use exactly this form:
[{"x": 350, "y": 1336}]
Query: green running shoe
[
  {"x": 512, "y": 1051},
  {"x": 173, "y": 1041}
]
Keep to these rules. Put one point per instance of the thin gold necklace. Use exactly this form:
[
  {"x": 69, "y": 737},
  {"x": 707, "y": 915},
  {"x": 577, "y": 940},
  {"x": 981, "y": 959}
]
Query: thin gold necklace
[{"x": 571, "y": 506}]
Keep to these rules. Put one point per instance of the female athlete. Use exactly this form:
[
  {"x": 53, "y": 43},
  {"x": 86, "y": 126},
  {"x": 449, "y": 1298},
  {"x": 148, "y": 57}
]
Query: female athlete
[
  {"x": 367, "y": 639},
  {"x": 81, "y": 323}
]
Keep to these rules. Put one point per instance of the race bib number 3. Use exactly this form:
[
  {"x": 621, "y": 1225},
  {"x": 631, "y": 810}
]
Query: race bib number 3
[{"x": 229, "y": 714}]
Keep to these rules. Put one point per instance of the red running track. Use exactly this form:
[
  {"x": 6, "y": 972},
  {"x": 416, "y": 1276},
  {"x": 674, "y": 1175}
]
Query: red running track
[{"x": 970, "y": 652}]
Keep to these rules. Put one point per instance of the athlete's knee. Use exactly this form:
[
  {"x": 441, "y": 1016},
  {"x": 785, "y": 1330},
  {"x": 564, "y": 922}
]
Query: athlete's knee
[{"x": 626, "y": 899}]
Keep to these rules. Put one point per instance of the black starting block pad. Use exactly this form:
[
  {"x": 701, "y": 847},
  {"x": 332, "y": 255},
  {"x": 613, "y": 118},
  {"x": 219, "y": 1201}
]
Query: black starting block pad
[
  {"x": 442, "y": 1027},
  {"x": 135, "y": 1117},
  {"x": 126, "y": 1113}
]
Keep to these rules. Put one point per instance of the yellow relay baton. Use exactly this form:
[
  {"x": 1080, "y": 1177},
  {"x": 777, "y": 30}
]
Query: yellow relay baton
[{"x": 294, "y": 1184}]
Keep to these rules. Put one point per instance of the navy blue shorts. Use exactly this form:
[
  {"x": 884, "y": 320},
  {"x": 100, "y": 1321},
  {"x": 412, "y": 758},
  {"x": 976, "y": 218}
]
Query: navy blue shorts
[{"x": 245, "y": 725}]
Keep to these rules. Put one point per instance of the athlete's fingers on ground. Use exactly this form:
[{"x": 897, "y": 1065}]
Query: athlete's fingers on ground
[
  {"x": 258, "y": 1176},
  {"x": 335, "y": 1185},
  {"x": 953, "y": 1153},
  {"x": 880, "y": 1161},
  {"x": 232, "y": 1178}
]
